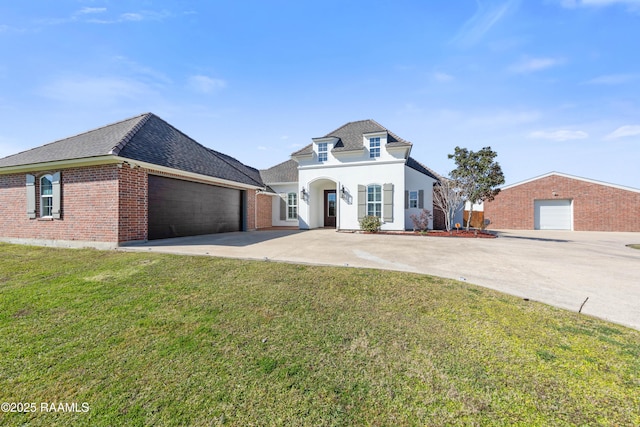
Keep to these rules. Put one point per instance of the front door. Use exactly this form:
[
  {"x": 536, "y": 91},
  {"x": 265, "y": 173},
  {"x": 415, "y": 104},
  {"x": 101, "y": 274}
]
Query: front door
[{"x": 330, "y": 208}]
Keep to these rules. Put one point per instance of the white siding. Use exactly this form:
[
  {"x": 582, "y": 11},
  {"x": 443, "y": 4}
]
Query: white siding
[{"x": 416, "y": 181}]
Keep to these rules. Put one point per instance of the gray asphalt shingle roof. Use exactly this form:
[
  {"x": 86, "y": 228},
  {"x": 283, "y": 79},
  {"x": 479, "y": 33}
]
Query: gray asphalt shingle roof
[
  {"x": 350, "y": 137},
  {"x": 416, "y": 165},
  {"x": 283, "y": 172},
  {"x": 145, "y": 138}
]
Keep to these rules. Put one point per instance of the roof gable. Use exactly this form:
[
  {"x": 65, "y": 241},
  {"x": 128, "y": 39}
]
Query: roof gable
[
  {"x": 350, "y": 137},
  {"x": 98, "y": 142},
  {"x": 283, "y": 172},
  {"x": 565, "y": 175},
  {"x": 146, "y": 138}
]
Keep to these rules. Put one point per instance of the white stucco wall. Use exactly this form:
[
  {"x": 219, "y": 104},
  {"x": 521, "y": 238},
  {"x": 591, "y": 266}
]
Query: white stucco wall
[
  {"x": 282, "y": 190},
  {"x": 316, "y": 177},
  {"x": 416, "y": 181}
]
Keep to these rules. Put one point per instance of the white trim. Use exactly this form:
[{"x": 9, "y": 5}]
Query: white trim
[
  {"x": 565, "y": 175},
  {"x": 351, "y": 165},
  {"x": 61, "y": 164}
]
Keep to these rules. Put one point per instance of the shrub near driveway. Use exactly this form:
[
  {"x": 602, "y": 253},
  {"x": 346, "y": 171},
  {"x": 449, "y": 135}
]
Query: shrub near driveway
[{"x": 149, "y": 339}]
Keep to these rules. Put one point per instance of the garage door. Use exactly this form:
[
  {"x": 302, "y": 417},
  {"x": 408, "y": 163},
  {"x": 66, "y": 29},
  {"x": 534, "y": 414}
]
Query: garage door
[
  {"x": 553, "y": 214},
  {"x": 181, "y": 208}
]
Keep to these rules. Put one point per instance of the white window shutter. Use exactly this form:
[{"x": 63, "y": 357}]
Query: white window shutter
[
  {"x": 56, "y": 195},
  {"x": 362, "y": 201},
  {"x": 31, "y": 196},
  {"x": 387, "y": 198},
  {"x": 421, "y": 199}
]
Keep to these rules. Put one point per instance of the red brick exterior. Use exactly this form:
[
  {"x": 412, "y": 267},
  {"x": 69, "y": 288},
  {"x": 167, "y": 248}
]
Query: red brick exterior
[
  {"x": 133, "y": 204},
  {"x": 103, "y": 203},
  {"x": 596, "y": 207},
  {"x": 263, "y": 213},
  {"x": 251, "y": 209},
  {"x": 89, "y": 199}
]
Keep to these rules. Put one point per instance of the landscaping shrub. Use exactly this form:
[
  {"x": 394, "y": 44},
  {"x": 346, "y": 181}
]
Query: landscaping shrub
[
  {"x": 421, "y": 222},
  {"x": 370, "y": 223}
]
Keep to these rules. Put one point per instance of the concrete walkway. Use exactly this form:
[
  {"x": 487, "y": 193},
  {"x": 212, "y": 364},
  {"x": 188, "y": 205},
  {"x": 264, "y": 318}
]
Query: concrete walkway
[{"x": 560, "y": 268}]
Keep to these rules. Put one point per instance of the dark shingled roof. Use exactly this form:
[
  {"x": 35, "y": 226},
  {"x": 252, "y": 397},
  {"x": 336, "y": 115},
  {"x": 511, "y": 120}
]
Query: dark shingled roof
[
  {"x": 284, "y": 172},
  {"x": 350, "y": 137},
  {"x": 146, "y": 138},
  {"x": 416, "y": 165}
]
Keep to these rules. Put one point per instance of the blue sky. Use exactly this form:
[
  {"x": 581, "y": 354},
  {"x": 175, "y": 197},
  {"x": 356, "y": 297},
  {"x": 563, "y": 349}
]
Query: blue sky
[{"x": 548, "y": 84}]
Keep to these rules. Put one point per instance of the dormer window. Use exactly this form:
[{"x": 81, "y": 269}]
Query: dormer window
[
  {"x": 374, "y": 147},
  {"x": 322, "y": 152}
]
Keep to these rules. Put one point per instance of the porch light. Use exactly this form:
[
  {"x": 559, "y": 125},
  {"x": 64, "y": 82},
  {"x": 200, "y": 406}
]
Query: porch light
[
  {"x": 303, "y": 194},
  {"x": 342, "y": 191}
]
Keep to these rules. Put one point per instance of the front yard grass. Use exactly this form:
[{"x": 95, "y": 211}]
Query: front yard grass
[{"x": 151, "y": 339}]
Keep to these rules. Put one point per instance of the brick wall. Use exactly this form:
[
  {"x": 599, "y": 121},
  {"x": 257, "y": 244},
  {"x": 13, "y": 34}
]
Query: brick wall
[
  {"x": 89, "y": 199},
  {"x": 133, "y": 204},
  {"x": 596, "y": 207},
  {"x": 251, "y": 209},
  {"x": 263, "y": 213}
]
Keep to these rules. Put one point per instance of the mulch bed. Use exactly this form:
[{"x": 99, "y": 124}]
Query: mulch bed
[{"x": 474, "y": 234}]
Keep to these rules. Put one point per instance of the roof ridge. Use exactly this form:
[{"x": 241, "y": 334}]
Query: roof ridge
[
  {"x": 350, "y": 123},
  {"x": 74, "y": 136},
  {"x": 144, "y": 118},
  {"x": 436, "y": 174},
  {"x": 222, "y": 156}
]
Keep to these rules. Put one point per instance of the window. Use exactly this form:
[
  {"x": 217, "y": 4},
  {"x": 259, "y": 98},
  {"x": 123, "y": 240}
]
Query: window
[
  {"x": 413, "y": 199},
  {"x": 322, "y": 152},
  {"x": 374, "y": 147},
  {"x": 292, "y": 206},
  {"x": 374, "y": 200},
  {"x": 46, "y": 196}
]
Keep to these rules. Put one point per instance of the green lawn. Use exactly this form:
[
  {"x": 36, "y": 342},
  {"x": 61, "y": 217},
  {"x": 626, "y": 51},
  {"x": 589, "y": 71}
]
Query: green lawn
[{"x": 150, "y": 339}]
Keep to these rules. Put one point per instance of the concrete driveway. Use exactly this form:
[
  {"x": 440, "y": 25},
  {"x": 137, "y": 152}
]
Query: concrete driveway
[{"x": 560, "y": 268}]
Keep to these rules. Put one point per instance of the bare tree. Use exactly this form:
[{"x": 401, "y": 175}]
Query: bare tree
[{"x": 449, "y": 196}]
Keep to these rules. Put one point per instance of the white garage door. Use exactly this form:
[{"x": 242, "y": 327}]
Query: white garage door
[{"x": 553, "y": 214}]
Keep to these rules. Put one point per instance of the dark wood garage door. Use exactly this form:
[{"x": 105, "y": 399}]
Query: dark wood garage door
[{"x": 181, "y": 208}]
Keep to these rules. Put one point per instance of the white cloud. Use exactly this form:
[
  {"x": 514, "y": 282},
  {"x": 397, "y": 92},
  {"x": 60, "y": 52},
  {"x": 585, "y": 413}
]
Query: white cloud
[
  {"x": 559, "y": 135},
  {"x": 205, "y": 84},
  {"x": 486, "y": 16},
  {"x": 91, "y": 10},
  {"x": 262, "y": 148},
  {"x": 531, "y": 65},
  {"x": 624, "y": 131},
  {"x": 613, "y": 79},
  {"x": 573, "y": 4},
  {"x": 442, "y": 77}
]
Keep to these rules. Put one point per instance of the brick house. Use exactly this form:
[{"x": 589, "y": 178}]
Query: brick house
[
  {"x": 135, "y": 180},
  {"x": 557, "y": 201}
]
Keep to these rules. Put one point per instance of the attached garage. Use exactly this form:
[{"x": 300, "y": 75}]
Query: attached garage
[
  {"x": 552, "y": 215},
  {"x": 179, "y": 208},
  {"x": 557, "y": 201}
]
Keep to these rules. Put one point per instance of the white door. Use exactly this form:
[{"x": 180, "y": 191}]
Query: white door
[{"x": 553, "y": 215}]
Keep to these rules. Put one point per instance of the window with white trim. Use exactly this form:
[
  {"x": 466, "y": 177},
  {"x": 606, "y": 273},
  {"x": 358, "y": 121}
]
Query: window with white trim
[
  {"x": 46, "y": 196},
  {"x": 374, "y": 200},
  {"x": 374, "y": 147},
  {"x": 413, "y": 199},
  {"x": 292, "y": 206},
  {"x": 322, "y": 151}
]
